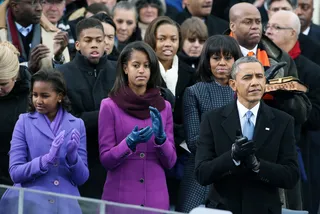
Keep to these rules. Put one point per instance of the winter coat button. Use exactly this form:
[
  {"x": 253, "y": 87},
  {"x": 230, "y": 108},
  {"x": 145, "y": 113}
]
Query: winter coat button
[
  {"x": 142, "y": 155},
  {"x": 141, "y": 180},
  {"x": 51, "y": 201},
  {"x": 56, "y": 182}
]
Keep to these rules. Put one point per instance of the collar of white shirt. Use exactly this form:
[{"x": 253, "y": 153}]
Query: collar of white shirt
[
  {"x": 306, "y": 31},
  {"x": 246, "y": 51},
  {"x": 171, "y": 75},
  {"x": 24, "y": 30},
  {"x": 242, "y": 110}
]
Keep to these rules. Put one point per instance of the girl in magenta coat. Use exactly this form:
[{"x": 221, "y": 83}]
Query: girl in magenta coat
[{"x": 136, "y": 132}]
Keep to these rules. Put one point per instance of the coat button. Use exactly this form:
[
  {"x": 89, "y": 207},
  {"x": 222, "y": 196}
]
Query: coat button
[
  {"x": 55, "y": 164},
  {"x": 141, "y": 180},
  {"x": 142, "y": 155},
  {"x": 142, "y": 205},
  {"x": 56, "y": 182},
  {"x": 51, "y": 201}
]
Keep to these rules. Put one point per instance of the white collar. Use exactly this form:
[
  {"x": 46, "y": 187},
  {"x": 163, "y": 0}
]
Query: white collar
[
  {"x": 242, "y": 110},
  {"x": 170, "y": 76},
  {"x": 246, "y": 51},
  {"x": 306, "y": 31},
  {"x": 24, "y": 30},
  {"x": 175, "y": 65}
]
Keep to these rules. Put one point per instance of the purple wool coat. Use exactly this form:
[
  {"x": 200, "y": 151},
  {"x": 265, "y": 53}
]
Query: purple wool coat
[
  {"x": 32, "y": 138},
  {"x": 134, "y": 177}
]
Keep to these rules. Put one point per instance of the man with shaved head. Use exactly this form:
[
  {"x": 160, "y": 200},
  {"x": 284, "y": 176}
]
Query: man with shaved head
[
  {"x": 246, "y": 28},
  {"x": 283, "y": 29}
]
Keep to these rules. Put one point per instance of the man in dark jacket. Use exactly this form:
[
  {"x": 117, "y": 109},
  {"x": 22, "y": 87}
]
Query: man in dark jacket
[
  {"x": 309, "y": 74},
  {"x": 202, "y": 9},
  {"x": 246, "y": 149},
  {"x": 90, "y": 77}
]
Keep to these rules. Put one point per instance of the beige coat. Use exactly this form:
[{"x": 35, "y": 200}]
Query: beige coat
[{"x": 48, "y": 31}]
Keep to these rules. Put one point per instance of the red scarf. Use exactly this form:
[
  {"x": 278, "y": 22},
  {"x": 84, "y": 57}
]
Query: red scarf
[
  {"x": 295, "y": 51},
  {"x": 14, "y": 32},
  {"x": 138, "y": 106}
]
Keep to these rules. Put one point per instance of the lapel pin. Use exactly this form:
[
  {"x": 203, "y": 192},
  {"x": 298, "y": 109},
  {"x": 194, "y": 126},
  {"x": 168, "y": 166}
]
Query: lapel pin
[{"x": 268, "y": 129}]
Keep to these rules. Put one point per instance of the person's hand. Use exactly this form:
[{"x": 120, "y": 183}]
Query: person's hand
[
  {"x": 60, "y": 43},
  {"x": 53, "y": 154},
  {"x": 72, "y": 147},
  {"x": 157, "y": 126},
  {"x": 242, "y": 147},
  {"x": 138, "y": 136},
  {"x": 36, "y": 55},
  {"x": 251, "y": 162}
]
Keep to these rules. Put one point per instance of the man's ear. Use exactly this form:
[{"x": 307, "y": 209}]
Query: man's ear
[
  {"x": 13, "y": 5},
  {"x": 77, "y": 45},
  {"x": 232, "y": 84},
  {"x": 232, "y": 26}
]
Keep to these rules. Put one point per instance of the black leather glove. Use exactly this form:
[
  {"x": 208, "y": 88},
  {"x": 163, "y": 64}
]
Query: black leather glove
[
  {"x": 251, "y": 162},
  {"x": 242, "y": 147}
]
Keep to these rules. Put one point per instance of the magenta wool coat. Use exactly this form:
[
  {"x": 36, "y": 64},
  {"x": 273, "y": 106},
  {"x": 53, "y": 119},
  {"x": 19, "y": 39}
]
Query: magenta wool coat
[
  {"x": 32, "y": 138},
  {"x": 134, "y": 177}
]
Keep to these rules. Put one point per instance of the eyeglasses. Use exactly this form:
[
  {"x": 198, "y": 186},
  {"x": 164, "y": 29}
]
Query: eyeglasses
[{"x": 276, "y": 28}]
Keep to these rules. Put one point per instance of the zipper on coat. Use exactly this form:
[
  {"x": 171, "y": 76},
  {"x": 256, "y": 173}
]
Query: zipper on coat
[{"x": 95, "y": 73}]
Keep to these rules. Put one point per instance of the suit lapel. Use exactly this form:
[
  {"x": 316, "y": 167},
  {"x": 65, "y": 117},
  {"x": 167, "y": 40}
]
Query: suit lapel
[
  {"x": 263, "y": 126},
  {"x": 40, "y": 123},
  {"x": 232, "y": 122}
]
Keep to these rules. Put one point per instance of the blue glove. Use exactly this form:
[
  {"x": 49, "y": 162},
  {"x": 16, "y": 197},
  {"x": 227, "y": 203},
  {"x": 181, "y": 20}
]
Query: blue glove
[
  {"x": 157, "y": 126},
  {"x": 138, "y": 136}
]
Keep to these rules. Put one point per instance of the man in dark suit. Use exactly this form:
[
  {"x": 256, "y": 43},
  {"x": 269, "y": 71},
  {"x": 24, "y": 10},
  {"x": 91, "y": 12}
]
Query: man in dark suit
[
  {"x": 202, "y": 9},
  {"x": 247, "y": 169},
  {"x": 305, "y": 12}
]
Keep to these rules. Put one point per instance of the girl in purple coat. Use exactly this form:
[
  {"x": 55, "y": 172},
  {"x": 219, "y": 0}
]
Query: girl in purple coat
[
  {"x": 136, "y": 132},
  {"x": 48, "y": 150}
]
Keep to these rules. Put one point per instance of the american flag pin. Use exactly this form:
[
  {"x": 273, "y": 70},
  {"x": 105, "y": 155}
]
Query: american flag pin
[{"x": 268, "y": 129}]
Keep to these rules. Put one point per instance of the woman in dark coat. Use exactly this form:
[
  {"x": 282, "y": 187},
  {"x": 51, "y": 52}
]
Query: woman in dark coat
[
  {"x": 163, "y": 35},
  {"x": 212, "y": 91},
  {"x": 14, "y": 90}
]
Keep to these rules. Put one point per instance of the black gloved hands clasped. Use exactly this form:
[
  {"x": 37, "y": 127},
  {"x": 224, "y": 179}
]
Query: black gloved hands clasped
[{"x": 242, "y": 148}]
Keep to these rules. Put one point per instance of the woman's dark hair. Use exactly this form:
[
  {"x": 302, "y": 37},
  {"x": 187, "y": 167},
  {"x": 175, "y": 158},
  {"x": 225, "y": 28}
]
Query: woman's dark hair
[
  {"x": 150, "y": 36},
  {"x": 58, "y": 84},
  {"x": 153, "y": 3},
  {"x": 125, "y": 56},
  {"x": 217, "y": 44},
  {"x": 96, "y": 8},
  {"x": 105, "y": 18}
]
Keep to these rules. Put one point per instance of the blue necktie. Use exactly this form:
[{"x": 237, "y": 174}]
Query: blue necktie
[{"x": 248, "y": 127}]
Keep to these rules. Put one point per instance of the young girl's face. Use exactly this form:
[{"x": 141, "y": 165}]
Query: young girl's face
[{"x": 44, "y": 98}]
